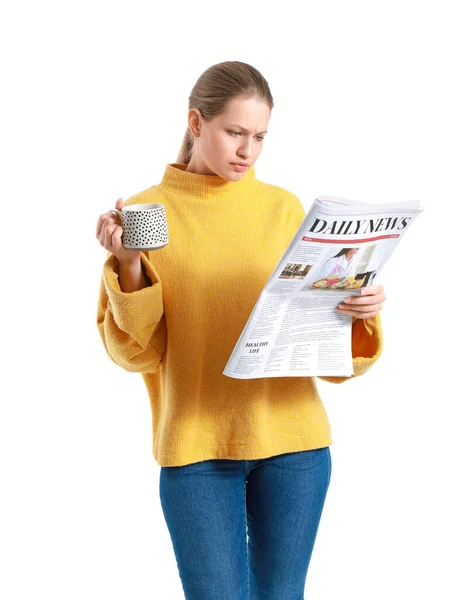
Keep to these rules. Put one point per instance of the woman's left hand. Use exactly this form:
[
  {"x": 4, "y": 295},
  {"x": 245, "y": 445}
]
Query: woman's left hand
[{"x": 366, "y": 305}]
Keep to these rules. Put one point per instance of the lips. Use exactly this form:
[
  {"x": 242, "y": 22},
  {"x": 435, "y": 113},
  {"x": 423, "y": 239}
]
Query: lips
[{"x": 241, "y": 164}]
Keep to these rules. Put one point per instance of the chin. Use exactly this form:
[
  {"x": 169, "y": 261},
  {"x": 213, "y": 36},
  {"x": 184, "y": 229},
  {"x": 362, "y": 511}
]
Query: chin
[
  {"x": 235, "y": 176},
  {"x": 227, "y": 173}
]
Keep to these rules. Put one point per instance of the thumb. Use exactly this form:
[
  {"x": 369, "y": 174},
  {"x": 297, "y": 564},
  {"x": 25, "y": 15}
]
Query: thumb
[{"x": 119, "y": 203}]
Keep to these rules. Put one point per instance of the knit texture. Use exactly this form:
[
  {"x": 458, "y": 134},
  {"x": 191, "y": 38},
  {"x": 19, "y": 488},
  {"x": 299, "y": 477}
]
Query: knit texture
[{"x": 225, "y": 240}]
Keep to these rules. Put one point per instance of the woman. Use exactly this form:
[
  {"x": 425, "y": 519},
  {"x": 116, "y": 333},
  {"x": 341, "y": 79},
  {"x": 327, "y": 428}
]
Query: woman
[
  {"x": 237, "y": 456},
  {"x": 342, "y": 264}
]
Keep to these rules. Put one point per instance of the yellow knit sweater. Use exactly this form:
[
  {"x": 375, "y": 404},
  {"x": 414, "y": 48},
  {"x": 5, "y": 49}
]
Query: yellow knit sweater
[{"x": 225, "y": 239}]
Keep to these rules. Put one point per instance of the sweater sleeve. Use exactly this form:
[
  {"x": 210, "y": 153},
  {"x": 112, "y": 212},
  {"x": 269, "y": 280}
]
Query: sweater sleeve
[{"x": 132, "y": 325}]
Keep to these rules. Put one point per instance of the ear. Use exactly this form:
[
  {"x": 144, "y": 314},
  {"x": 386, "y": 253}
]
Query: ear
[{"x": 194, "y": 120}]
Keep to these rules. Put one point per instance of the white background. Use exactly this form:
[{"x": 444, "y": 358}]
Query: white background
[{"x": 371, "y": 104}]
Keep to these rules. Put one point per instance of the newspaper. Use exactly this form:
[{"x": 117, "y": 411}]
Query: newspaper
[{"x": 295, "y": 328}]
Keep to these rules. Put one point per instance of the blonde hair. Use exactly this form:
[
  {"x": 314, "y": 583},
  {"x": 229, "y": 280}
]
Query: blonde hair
[{"x": 216, "y": 87}]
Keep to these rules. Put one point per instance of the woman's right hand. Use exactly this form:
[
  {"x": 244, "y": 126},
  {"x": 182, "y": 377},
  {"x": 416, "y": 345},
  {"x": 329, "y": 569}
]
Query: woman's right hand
[{"x": 109, "y": 234}]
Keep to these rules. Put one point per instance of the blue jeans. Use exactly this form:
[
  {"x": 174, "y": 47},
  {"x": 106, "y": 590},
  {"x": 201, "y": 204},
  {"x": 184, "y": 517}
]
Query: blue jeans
[{"x": 210, "y": 506}]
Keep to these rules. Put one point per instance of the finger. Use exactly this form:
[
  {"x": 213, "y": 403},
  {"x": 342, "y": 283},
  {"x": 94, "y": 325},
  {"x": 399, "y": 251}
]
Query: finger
[
  {"x": 108, "y": 235},
  {"x": 364, "y": 300},
  {"x": 116, "y": 238},
  {"x": 361, "y": 312},
  {"x": 101, "y": 235},
  {"x": 360, "y": 309},
  {"x": 99, "y": 224},
  {"x": 371, "y": 290}
]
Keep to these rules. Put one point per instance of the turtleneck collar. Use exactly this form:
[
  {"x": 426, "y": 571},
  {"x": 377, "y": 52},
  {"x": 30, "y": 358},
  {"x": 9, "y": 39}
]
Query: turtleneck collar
[{"x": 206, "y": 187}]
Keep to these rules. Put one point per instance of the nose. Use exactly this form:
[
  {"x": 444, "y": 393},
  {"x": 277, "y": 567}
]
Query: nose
[{"x": 244, "y": 150}]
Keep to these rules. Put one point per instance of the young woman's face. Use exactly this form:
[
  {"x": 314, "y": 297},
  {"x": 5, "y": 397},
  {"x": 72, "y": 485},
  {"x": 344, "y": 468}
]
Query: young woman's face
[{"x": 234, "y": 136}]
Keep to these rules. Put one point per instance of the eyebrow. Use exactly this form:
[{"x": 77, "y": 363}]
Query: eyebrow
[{"x": 242, "y": 128}]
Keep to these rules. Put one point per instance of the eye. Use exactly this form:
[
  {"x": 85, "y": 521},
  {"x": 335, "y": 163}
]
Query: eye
[{"x": 259, "y": 137}]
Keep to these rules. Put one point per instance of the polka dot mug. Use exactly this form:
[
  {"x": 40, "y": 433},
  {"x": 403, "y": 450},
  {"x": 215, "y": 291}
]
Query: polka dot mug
[{"x": 144, "y": 226}]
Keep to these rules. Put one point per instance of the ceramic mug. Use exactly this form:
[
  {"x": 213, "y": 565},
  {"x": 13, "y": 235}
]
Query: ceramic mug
[{"x": 144, "y": 226}]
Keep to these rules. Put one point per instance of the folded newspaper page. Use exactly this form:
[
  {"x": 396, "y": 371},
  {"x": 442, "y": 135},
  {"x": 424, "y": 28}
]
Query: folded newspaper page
[{"x": 294, "y": 328}]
